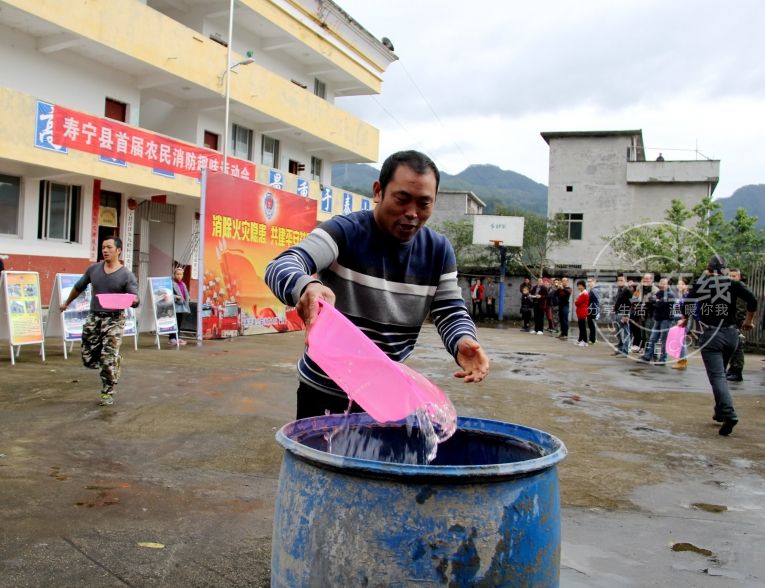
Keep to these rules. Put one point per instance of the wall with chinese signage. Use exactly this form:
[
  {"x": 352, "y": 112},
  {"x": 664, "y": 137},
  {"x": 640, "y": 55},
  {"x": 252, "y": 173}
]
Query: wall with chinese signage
[{"x": 246, "y": 225}]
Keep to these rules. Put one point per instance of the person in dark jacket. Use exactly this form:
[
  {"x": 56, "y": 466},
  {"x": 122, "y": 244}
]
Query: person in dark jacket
[
  {"x": 527, "y": 309},
  {"x": 593, "y": 312},
  {"x": 736, "y": 367},
  {"x": 715, "y": 296},
  {"x": 662, "y": 302},
  {"x": 564, "y": 296},
  {"x": 538, "y": 295},
  {"x": 622, "y": 305}
]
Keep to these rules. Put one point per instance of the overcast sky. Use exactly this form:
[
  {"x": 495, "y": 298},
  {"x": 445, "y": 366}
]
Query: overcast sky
[{"x": 476, "y": 82}]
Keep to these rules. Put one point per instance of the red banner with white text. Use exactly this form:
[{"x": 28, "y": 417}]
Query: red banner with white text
[{"x": 115, "y": 140}]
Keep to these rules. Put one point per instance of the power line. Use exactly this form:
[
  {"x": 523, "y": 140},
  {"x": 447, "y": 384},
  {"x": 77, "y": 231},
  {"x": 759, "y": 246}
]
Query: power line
[{"x": 432, "y": 110}]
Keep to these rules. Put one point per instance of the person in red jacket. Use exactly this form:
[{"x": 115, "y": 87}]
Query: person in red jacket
[
  {"x": 476, "y": 295},
  {"x": 582, "y": 304}
]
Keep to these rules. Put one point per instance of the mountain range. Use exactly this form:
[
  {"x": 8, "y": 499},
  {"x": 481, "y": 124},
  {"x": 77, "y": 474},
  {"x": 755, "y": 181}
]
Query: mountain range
[
  {"x": 490, "y": 183},
  {"x": 751, "y": 198},
  {"x": 513, "y": 190}
]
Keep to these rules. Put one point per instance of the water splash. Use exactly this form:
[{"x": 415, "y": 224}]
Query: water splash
[{"x": 425, "y": 429}]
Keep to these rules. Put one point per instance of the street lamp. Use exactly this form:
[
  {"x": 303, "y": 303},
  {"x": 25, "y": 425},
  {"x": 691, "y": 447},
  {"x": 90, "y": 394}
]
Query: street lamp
[{"x": 229, "y": 68}]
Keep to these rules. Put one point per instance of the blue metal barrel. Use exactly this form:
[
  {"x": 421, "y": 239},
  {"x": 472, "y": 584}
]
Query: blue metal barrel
[{"x": 485, "y": 513}]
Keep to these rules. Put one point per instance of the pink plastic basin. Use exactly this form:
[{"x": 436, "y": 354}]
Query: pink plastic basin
[
  {"x": 116, "y": 301},
  {"x": 675, "y": 338},
  {"x": 387, "y": 390}
]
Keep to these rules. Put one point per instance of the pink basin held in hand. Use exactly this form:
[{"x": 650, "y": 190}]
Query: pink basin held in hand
[
  {"x": 116, "y": 301},
  {"x": 675, "y": 338},
  {"x": 387, "y": 390}
]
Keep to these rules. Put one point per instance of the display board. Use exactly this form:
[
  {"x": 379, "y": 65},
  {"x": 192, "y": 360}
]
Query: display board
[
  {"x": 489, "y": 228},
  {"x": 158, "y": 309},
  {"x": 21, "y": 323},
  {"x": 68, "y": 324},
  {"x": 244, "y": 226}
]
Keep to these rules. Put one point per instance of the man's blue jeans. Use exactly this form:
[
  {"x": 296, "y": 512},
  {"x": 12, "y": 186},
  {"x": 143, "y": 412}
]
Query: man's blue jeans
[
  {"x": 659, "y": 331},
  {"x": 622, "y": 335},
  {"x": 717, "y": 347},
  {"x": 563, "y": 320}
]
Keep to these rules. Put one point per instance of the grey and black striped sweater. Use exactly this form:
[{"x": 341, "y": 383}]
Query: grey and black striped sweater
[{"x": 385, "y": 287}]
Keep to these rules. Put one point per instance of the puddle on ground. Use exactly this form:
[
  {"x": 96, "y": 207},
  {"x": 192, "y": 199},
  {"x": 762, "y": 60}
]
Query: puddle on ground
[
  {"x": 709, "y": 507},
  {"x": 693, "y": 548},
  {"x": 741, "y": 501}
]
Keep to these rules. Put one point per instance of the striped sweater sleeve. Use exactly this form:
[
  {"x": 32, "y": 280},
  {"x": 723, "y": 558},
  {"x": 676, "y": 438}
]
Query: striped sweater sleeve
[
  {"x": 447, "y": 309},
  {"x": 291, "y": 271}
]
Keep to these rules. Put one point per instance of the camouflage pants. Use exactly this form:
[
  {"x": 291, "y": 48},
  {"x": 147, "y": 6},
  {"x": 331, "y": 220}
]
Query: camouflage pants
[{"x": 101, "y": 340}]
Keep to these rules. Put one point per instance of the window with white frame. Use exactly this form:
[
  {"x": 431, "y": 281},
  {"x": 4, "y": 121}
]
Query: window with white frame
[
  {"x": 59, "y": 213},
  {"x": 575, "y": 221},
  {"x": 269, "y": 154},
  {"x": 319, "y": 88},
  {"x": 241, "y": 142},
  {"x": 10, "y": 197},
  {"x": 316, "y": 165}
]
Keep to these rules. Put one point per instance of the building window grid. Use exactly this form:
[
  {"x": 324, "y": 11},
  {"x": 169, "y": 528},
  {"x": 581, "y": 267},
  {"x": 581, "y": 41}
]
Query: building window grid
[
  {"x": 10, "y": 199},
  {"x": 316, "y": 167},
  {"x": 575, "y": 221},
  {"x": 269, "y": 155},
  {"x": 59, "y": 212},
  {"x": 241, "y": 142},
  {"x": 319, "y": 88}
]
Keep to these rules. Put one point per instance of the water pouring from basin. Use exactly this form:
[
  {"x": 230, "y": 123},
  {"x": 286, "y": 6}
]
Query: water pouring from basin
[{"x": 386, "y": 390}]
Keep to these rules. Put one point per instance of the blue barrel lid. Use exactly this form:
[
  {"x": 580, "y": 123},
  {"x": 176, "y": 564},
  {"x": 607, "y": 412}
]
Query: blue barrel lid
[{"x": 551, "y": 448}]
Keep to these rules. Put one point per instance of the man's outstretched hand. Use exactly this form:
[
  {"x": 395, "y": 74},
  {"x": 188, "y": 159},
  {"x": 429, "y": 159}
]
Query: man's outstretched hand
[{"x": 472, "y": 359}]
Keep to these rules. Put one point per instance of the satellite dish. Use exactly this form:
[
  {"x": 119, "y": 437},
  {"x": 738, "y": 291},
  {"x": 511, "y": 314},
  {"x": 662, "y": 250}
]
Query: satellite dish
[{"x": 386, "y": 41}]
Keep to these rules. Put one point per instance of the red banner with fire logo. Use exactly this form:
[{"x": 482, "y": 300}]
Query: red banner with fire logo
[{"x": 246, "y": 225}]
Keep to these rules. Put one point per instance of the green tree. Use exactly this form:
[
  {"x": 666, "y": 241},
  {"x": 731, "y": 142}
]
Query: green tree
[
  {"x": 460, "y": 234},
  {"x": 686, "y": 239}
]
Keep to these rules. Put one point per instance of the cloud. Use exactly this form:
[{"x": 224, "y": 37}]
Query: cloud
[{"x": 478, "y": 82}]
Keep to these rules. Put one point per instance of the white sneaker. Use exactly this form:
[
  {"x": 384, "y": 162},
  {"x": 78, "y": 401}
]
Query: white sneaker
[
  {"x": 635, "y": 349},
  {"x": 582, "y": 344},
  {"x": 540, "y": 333},
  {"x": 172, "y": 343}
]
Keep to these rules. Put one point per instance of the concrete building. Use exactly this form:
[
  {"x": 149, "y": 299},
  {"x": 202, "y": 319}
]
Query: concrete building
[
  {"x": 455, "y": 205},
  {"x": 148, "y": 78},
  {"x": 601, "y": 181}
]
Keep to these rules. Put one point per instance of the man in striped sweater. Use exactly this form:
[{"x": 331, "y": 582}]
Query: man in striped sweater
[{"x": 384, "y": 271}]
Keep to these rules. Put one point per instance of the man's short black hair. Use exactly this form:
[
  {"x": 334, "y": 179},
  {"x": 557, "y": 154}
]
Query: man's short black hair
[
  {"x": 716, "y": 264},
  {"x": 117, "y": 241},
  {"x": 414, "y": 160},
  {"x": 619, "y": 275}
]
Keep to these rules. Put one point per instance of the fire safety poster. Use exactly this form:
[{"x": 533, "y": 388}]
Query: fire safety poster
[
  {"x": 23, "y": 310},
  {"x": 246, "y": 225}
]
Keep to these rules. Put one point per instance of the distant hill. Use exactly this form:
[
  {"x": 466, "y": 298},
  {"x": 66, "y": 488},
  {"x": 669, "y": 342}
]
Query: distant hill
[
  {"x": 490, "y": 183},
  {"x": 751, "y": 198}
]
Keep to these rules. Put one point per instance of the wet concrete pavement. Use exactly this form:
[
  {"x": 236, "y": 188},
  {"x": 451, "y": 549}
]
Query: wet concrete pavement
[{"x": 174, "y": 485}]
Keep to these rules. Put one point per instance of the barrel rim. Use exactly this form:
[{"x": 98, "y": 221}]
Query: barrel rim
[{"x": 557, "y": 450}]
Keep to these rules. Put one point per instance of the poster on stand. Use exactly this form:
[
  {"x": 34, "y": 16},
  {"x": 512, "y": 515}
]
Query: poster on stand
[
  {"x": 160, "y": 318},
  {"x": 244, "y": 226},
  {"x": 21, "y": 323}
]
